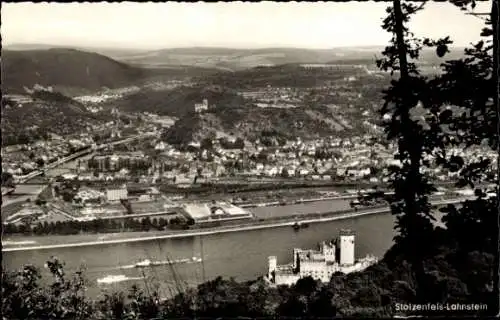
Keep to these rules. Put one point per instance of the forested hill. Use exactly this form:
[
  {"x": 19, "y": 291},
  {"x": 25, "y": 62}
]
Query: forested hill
[
  {"x": 177, "y": 102},
  {"x": 66, "y": 69},
  {"x": 42, "y": 113}
]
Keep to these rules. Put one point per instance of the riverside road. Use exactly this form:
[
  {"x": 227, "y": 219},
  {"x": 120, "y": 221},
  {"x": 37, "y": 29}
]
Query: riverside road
[{"x": 237, "y": 251}]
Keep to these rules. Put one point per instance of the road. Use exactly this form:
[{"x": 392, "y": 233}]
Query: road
[
  {"x": 73, "y": 156},
  {"x": 252, "y": 225},
  {"x": 32, "y": 195},
  {"x": 22, "y": 194}
]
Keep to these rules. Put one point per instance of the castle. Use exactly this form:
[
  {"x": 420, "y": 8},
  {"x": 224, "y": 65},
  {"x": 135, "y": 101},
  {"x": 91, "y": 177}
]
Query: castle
[
  {"x": 332, "y": 257},
  {"x": 199, "y": 107}
]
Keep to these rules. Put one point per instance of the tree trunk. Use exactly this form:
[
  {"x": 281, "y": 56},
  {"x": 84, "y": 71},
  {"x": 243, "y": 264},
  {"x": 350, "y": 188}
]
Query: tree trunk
[
  {"x": 496, "y": 28},
  {"x": 495, "y": 13},
  {"x": 398, "y": 19},
  {"x": 410, "y": 138}
]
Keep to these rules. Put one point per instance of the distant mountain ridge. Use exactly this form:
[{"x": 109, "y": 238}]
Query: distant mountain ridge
[
  {"x": 237, "y": 59},
  {"x": 240, "y": 59},
  {"x": 228, "y": 59},
  {"x": 65, "y": 68},
  {"x": 76, "y": 72},
  {"x": 68, "y": 69},
  {"x": 111, "y": 52}
]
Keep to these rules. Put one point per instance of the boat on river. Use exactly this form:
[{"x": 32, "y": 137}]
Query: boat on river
[
  {"x": 299, "y": 225},
  {"x": 143, "y": 263},
  {"x": 148, "y": 263}
]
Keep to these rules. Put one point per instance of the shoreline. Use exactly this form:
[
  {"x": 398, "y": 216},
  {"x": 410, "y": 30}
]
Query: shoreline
[
  {"x": 201, "y": 232},
  {"x": 222, "y": 229}
]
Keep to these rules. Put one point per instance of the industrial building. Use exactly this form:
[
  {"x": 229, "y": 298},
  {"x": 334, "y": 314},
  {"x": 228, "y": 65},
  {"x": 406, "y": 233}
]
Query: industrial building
[
  {"x": 202, "y": 212},
  {"x": 113, "y": 195},
  {"x": 332, "y": 257}
]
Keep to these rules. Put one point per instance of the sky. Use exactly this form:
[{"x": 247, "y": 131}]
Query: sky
[{"x": 224, "y": 24}]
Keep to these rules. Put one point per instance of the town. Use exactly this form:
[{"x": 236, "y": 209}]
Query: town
[
  {"x": 100, "y": 174},
  {"x": 249, "y": 160}
]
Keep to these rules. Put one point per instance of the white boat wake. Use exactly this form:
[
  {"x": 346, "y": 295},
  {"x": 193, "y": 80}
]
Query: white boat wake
[{"x": 116, "y": 279}]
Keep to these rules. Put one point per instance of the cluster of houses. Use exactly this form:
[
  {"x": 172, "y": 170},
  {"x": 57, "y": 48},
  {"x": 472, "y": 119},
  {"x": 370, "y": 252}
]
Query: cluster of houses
[
  {"x": 22, "y": 159},
  {"x": 356, "y": 158},
  {"x": 275, "y": 95}
]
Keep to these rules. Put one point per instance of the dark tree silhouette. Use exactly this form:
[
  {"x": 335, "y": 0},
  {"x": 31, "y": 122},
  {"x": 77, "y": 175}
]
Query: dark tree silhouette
[
  {"x": 7, "y": 180},
  {"x": 428, "y": 141}
]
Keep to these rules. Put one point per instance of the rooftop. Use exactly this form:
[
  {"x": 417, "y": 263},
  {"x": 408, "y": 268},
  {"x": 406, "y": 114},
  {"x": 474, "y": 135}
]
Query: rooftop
[
  {"x": 346, "y": 232},
  {"x": 197, "y": 210},
  {"x": 204, "y": 210}
]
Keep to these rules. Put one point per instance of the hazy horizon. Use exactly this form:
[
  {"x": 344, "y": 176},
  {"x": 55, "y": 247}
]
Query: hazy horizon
[
  {"x": 62, "y": 46},
  {"x": 236, "y": 25}
]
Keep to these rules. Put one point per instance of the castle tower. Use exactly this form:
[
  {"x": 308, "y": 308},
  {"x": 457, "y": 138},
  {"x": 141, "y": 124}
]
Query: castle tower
[
  {"x": 347, "y": 247},
  {"x": 295, "y": 257},
  {"x": 328, "y": 250},
  {"x": 273, "y": 263}
]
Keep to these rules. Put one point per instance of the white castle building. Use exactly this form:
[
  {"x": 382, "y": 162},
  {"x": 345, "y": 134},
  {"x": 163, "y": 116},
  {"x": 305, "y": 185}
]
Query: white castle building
[
  {"x": 199, "y": 107},
  {"x": 320, "y": 264}
]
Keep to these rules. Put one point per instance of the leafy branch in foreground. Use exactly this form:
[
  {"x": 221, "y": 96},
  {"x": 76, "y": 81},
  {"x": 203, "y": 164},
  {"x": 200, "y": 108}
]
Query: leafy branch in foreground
[
  {"x": 24, "y": 298},
  {"x": 411, "y": 187},
  {"x": 458, "y": 114}
]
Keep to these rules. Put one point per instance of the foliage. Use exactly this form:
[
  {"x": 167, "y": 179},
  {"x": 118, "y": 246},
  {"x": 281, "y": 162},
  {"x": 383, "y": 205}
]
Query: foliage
[
  {"x": 24, "y": 298},
  {"x": 94, "y": 226},
  {"x": 459, "y": 112},
  {"x": 289, "y": 75},
  {"x": 371, "y": 293},
  {"x": 47, "y": 113},
  {"x": 7, "y": 179},
  {"x": 239, "y": 114},
  {"x": 177, "y": 102}
]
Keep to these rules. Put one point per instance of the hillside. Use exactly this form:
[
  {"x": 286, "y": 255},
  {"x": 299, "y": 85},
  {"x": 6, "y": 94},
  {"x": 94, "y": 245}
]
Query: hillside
[
  {"x": 66, "y": 70},
  {"x": 239, "y": 59},
  {"x": 227, "y": 59},
  {"x": 29, "y": 118},
  {"x": 251, "y": 122},
  {"x": 287, "y": 75},
  {"x": 236, "y": 116},
  {"x": 111, "y": 52},
  {"x": 177, "y": 102},
  {"x": 289, "y": 100}
]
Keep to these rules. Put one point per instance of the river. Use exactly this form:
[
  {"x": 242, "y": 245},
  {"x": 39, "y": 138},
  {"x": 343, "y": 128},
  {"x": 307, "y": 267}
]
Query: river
[{"x": 242, "y": 255}]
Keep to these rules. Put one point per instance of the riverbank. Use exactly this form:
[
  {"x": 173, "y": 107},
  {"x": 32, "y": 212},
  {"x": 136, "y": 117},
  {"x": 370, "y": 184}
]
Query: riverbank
[
  {"x": 200, "y": 232},
  {"x": 66, "y": 241}
]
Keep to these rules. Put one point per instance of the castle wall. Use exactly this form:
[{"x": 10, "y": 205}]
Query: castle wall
[
  {"x": 287, "y": 279},
  {"x": 320, "y": 265}
]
